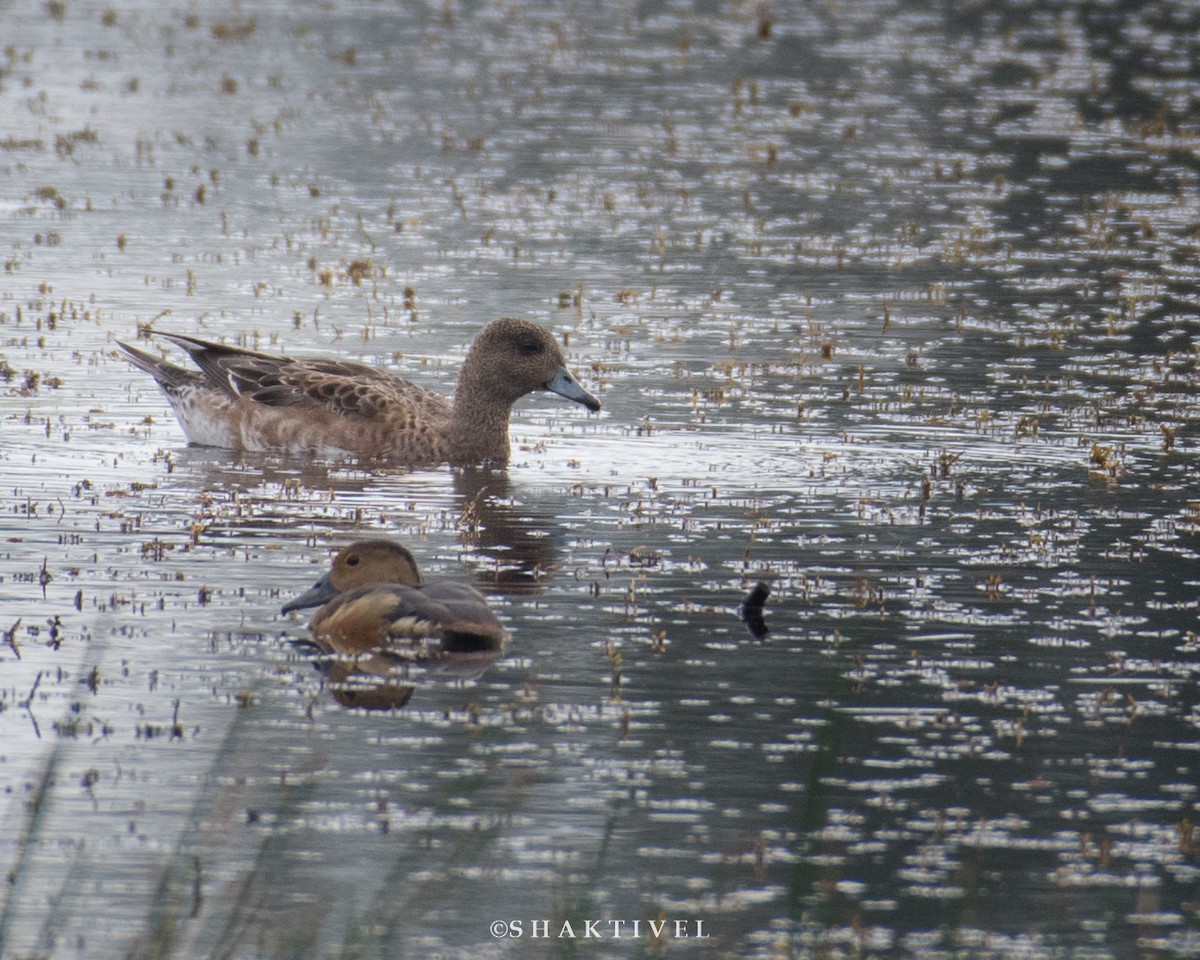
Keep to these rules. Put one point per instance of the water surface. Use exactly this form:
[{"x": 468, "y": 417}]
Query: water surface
[{"x": 890, "y": 306}]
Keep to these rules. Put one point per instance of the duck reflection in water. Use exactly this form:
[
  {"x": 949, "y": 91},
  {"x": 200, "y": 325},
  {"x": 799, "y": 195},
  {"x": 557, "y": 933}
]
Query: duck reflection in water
[
  {"x": 512, "y": 546},
  {"x": 379, "y": 624}
]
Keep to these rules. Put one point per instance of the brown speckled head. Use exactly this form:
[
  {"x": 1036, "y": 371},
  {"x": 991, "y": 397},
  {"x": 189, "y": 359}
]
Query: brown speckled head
[
  {"x": 509, "y": 359},
  {"x": 513, "y": 357}
]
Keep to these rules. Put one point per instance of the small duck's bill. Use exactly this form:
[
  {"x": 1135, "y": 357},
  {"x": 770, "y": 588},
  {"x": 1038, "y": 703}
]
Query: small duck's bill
[
  {"x": 565, "y": 385},
  {"x": 319, "y": 594}
]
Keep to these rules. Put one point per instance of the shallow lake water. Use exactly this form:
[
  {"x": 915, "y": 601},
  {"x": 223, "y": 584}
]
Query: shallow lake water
[{"x": 890, "y": 307}]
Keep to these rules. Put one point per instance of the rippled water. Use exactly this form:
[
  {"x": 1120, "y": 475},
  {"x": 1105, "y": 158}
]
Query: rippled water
[{"x": 891, "y": 307}]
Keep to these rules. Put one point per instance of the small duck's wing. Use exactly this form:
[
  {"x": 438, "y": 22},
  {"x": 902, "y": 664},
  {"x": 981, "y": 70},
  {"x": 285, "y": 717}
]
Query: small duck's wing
[
  {"x": 470, "y": 625},
  {"x": 343, "y": 387},
  {"x": 406, "y": 619}
]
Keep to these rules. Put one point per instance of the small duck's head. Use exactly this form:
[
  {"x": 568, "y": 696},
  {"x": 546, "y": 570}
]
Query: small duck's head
[
  {"x": 363, "y": 562},
  {"x": 513, "y": 357}
]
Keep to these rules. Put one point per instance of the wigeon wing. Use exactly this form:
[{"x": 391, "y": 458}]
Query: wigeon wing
[{"x": 343, "y": 387}]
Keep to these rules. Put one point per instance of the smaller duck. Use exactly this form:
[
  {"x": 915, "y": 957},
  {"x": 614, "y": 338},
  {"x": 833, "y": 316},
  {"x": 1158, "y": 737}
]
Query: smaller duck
[{"x": 374, "y": 602}]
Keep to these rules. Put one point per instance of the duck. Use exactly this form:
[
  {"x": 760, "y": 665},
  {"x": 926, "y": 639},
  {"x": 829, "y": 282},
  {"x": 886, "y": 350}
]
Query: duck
[
  {"x": 245, "y": 400},
  {"x": 374, "y": 603}
]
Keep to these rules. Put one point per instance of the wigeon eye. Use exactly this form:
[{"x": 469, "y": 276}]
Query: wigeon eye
[
  {"x": 352, "y": 561},
  {"x": 528, "y": 348}
]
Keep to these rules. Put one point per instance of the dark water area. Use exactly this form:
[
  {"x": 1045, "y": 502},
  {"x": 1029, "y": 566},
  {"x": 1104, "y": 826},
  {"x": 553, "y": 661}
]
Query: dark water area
[{"x": 891, "y": 307}]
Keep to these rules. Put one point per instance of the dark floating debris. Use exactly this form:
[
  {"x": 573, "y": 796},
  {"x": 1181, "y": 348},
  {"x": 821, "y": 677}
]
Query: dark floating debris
[{"x": 751, "y": 611}]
